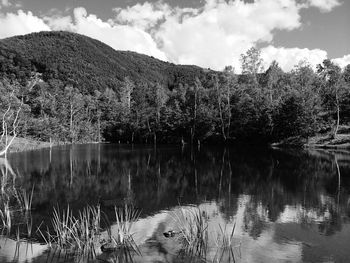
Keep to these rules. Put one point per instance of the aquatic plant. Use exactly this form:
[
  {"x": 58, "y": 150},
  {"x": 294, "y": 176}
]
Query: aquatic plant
[
  {"x": 193, "y": 230},
  {"x": 77, "y": 234},
  {"x": 24, "y": 199},
  {"x": 225, "y": 245},
  {"x": 87, "y": 230},
  {"x": 5, "y": 215},
  {"x": 29, "y": 225},
  {"x": 27, "y": 199},
  {"x": 123, "y": 238},
  {"x": 194, "y": 235}
]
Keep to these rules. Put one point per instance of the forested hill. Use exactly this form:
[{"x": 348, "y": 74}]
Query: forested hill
[
  {"x": 73, "y": 88},
  {"x": 85, "y": 62}
]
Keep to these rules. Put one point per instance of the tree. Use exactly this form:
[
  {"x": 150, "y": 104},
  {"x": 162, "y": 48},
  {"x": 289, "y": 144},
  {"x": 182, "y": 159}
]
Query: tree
[
  {"x": 331, "y": 75},
  {"x": 158, "y": 99},
  {"x": 219, "y": 105},
  {"x": 125, "y": 93},
  {"x": 272, "y": 76},
  {"x": 9, "y": 125},
  {"x": 230, "y": 81},
  {"x": 252, "y": 64},
  {"x": 194, "y": 99},
  {"x": 75, "y": 103},
  {"x": 291, "y": 118},
  {"x": 346, "y": 98}
]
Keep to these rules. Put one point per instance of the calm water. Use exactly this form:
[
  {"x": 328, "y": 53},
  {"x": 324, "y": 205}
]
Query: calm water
[{"x": 286, "y": 206}]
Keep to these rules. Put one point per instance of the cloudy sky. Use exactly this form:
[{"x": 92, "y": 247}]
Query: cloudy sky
[{"x": 208, "y": 33}]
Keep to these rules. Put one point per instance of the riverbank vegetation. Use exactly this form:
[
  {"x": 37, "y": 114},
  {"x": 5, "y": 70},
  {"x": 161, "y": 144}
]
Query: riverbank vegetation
[{"x": 77, "y": 89}]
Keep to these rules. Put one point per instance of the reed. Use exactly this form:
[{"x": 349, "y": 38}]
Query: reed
[
  {"x": 79, "y": 235},
  {"x": 63, "y": 224},
  {"x": 5, "y": 215},
  {"x": 87, "y": 230},
  {"x": 25, "y": 199},
  {"x": 75, "y": 235},
  {"x": 193, "y": 234},
  {"x": 123, "y": 239},
  {"x": 193, "y": 230},
  {"x": 29, "y": 225},
  {"x": 225, "y": 245},
  {"x": 28, "y": 198}
]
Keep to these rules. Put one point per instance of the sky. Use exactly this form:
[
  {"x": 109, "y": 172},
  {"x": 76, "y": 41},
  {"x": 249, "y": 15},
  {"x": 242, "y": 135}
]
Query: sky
[{"x": 208, "y": 33}]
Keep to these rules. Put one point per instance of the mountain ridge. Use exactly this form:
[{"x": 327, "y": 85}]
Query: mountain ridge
[{"x": 88, "y": 63}]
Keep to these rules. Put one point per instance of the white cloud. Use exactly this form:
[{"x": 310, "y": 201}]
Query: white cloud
[
  {"x": 144, "y": 15},
  {"x": 287, "y": 58},
  {"x": 4, "y": 3},
  {"x": 59, "y": 22},
  {"x": 120, "y": 37},
  {"x": 7, "y": 3},
  {"x": 324, "y": 5},
  {"x": 20, "y": 24},
  {"x": 217, "y": 35},
  {"x": 342, "y": 62}
]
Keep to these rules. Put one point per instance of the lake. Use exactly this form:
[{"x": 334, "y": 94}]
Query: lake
[{"x": 255, "y": 205}]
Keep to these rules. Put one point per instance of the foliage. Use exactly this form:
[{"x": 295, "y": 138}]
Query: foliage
[{"x": 77, "y": 89}]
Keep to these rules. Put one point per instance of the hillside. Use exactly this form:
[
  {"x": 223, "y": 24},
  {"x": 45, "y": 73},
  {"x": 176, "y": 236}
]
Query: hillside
[
  {"x": 86, "y": 62},
  {"x": 91, "y": 92}
]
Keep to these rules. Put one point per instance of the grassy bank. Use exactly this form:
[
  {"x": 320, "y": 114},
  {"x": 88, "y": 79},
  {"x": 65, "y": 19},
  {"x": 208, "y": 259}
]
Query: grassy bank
[
  {"x": 341, "y": 141},
  {"x": 325, "y": 140},
  {"x": 25, "y": 144}
]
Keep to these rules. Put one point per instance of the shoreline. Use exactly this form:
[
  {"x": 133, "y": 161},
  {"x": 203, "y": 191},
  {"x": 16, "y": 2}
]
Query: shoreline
[
  {"x": 25, "y": 144},
  {"x": 342, "y": 142}
]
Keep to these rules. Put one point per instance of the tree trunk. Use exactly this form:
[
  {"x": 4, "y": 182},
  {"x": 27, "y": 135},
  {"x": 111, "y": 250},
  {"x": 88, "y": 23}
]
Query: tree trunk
[
  {"x": 71, "y": 123},
  {"x": 5, "y": 130},
  {"x": 229, "y": 111},
  {"x": 338, "y": 121},
  {"x": 99, "y": 127},
  {"x": 220, "y": 110},
  {"x": 193, "y": 130},
  {"x": 338, "y": 115}
]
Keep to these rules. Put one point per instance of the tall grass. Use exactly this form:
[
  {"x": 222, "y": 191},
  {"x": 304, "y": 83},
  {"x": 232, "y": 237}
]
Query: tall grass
[
  {"x": 25, "y": 199},
  {"x": 123, "y": 238},
  {"x": 63, "y": 224},
  {"x": 78, "y": 234},
  {"x": 225, "y": 245},
  {"x": 193, "y": 230},
  {"x": 5, "y": 215},
  {"x": 193, "y": 234},
  {"x": 74, "y": 235},
  {"x": 121, "y": 241},
  {"x": 87, "y": 230}
]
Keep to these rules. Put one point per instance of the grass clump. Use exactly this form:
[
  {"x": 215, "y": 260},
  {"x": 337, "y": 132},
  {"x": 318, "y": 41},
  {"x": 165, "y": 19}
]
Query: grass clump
[
  {"x": 77, "y": 235},
  {"x": 193, "y": 230},
  {"x": 80, "y": 235},
  {"x": 195, "y": 236},
  {"x": 225, "y": 245},
  {"x": 5, "y": 216},
  {"x": 25, "y": 199},
  {"x": 121, "y": 240}
]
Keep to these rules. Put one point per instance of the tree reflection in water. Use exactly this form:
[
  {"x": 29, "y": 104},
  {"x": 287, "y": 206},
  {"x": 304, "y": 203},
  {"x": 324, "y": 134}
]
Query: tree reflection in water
[{"x": 291, "y": 201}]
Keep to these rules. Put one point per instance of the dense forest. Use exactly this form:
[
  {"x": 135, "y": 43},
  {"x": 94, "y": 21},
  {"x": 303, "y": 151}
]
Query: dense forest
[{"x": 72, "y": 88}]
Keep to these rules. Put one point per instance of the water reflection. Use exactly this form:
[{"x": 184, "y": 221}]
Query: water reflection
[{"x": 286, "y": 205}]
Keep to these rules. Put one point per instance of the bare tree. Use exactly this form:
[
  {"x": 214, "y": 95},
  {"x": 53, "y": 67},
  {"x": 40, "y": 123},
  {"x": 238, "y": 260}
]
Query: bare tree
[{"x": 9, "y": 126}]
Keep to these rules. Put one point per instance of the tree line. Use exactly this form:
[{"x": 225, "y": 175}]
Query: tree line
[{"x": 257, "y": 106}]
